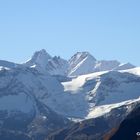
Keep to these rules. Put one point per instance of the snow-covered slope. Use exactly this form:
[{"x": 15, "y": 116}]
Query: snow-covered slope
[
  {"x": 22, "y": 84},
  {"x": 22, "y": 91},
  {"x": 104, "y": 109},
  {"x": 135, "y": 71},
  {"x": 88, "y": 92}
]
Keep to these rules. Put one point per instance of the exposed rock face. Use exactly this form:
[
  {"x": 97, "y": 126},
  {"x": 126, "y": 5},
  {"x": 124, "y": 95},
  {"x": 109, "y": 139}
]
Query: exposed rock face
[{"x": 129, "y": 128}]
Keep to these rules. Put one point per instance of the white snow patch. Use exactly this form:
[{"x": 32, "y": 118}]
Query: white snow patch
[
  {"x": 78, "y": 82},
  {"x": 135, "y": 71},
  {"x": 103, "y": 109}
]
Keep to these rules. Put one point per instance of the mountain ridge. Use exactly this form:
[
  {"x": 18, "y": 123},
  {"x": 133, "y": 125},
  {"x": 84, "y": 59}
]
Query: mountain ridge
[{"x": 79, "y": 64}]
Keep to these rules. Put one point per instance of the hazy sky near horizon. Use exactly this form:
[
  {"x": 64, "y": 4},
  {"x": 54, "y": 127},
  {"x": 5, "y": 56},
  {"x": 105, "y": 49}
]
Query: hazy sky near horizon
[{"x": 108, "y": 29}]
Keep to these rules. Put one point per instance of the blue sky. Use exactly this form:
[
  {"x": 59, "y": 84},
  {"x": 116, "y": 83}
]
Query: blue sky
[{"x": 109, "y": 29}]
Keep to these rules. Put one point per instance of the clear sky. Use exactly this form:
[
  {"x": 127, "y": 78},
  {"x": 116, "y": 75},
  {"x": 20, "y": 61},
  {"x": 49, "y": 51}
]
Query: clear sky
[{"x": 108, "y": 29}]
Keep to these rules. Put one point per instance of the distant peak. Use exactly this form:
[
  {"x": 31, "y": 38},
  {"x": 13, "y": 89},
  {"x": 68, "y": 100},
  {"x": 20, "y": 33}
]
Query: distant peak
[
  {"x": 39, "y": 57},
  {"x": 82, "y": 55},
  {"x": 42, "y": 54}
]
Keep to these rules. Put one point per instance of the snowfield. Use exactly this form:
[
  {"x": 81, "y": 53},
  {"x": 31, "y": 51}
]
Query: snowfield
[{"x": 102, "y": 91}]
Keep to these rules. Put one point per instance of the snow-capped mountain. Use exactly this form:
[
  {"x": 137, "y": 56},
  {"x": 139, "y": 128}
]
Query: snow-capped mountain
[
  {"x": 77, "y": 97},
  {"x": 46, "y": 91},
  {"x": 44, "y": 62},
  {"x": 39, "y": 58},
  {"x": 81, "y": 63},
  {"x": 84, "y": 63}
]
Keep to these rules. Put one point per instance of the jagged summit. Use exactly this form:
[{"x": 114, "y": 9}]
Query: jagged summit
[
  {"x": 42, "y": 53},
  {"x": 44, "y": 62},
  {"x": 79, "y": 64},
  {"x": 39, "y": 58}
]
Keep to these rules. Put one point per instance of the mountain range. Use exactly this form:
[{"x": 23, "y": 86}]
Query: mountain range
[
  {"x": 79, "y": 64},
  {"x": 52, "y": 98}
]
